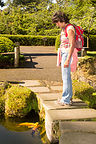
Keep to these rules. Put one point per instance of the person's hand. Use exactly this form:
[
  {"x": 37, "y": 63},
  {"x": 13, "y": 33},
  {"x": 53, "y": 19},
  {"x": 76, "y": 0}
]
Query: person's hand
[{"x": 66, "y": 64}]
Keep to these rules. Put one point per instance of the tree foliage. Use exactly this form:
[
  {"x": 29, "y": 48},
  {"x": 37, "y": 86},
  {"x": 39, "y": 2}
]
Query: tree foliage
[
  {"x": 81, "y": 12},
  {"x": 33, "y": 17},
  {"x": 34, "y": 20}
]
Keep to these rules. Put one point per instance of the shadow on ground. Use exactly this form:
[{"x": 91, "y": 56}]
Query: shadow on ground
[{"x": 29, "y": 59}]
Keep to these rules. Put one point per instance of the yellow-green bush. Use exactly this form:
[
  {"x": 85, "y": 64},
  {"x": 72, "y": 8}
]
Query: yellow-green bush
[
  {"x": 19, "y": 101},
  {"x": 6, "y": 45},
  {"x": 29, "y": 40},
  {"x": 4, "y": 86},
  {"x": 84, "y": 92}
]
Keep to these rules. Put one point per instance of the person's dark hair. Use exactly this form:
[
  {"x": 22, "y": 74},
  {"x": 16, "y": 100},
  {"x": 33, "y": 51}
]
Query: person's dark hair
[{"x": 60, "y": 16}]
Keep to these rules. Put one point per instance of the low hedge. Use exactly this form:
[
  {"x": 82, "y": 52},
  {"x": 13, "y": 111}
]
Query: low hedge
[
  {"x": 92, "y": 42},
  {"x": 84, "y": 92},
  {"x": 28, "y": 40},
  {"x": 6, "y": 45}
]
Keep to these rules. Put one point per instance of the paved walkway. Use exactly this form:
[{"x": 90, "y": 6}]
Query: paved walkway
[
  {"x": 40, "y": 65},
  {"x": 76, "y": 123}
]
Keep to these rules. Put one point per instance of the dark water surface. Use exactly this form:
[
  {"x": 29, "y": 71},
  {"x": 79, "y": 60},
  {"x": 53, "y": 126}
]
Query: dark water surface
[
  {"x": 12, "y": 137},
  {"x": 10, "y": 133}
]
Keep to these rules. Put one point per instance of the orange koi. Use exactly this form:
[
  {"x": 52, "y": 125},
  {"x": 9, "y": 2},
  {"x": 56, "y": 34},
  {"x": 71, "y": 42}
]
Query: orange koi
[{"x": 29, "y": 124}]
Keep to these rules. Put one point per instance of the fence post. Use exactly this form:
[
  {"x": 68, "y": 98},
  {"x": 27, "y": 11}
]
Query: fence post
[
  {"x": 16, "y": 55},
  {"x": 44, "y": 39}
]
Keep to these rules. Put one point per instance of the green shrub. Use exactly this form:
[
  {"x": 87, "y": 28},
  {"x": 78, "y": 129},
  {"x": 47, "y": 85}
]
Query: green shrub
[
  {"x": 19, "y": 101},
  {"x": 7, "y": 61},
  {"x": 84, "y": 92},
  {"x": 2, "y": 100},
  {"x": 3, "y": 87},
  {"x": 92, "y": 42},
  {"x": 29, "y": 40},
  {"x": 6, "y": 45}
]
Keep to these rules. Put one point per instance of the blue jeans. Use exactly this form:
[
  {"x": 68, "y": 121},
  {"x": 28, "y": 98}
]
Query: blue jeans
[{"x": 67, "y": 82}]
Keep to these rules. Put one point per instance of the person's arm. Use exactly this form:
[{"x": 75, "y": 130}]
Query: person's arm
[{"x": 71, "y": 36}]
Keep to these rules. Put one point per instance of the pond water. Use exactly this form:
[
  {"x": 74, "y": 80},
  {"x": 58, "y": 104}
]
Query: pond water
[{"x": 11, "y": 133}]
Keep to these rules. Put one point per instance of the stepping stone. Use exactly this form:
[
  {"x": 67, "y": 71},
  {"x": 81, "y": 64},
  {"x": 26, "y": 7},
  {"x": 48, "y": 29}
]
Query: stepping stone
[
  {"x": 49, "y": 96},
  {"x": 78, "y": 126},
  {"x": 39, "y": 89},
  {"x": 53, "y": 105},
  {"x": 71, "y": 114},
  {"x": 77, "y": 138},
  {"x": 56, "y": 88},
  {"x": 80, "y": 132},
  {"x": 29, "y": 83}
]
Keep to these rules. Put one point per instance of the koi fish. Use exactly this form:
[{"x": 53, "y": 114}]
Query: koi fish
[
  {"x": 34, "y": 127},
  {"x": 29, "y": 124}
]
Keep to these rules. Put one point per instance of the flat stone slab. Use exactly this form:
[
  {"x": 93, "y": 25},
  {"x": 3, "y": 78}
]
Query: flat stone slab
[
  {"x": 77, "y": 132},
  {"x": 77, "y": 138},
  {"x": 39, "y": 89},
  {"x": 71, "y": 114},
  {"x": 53, "y": 105},
  {"x": 49, "y": 96},
  {"x": 29, "y": 83},
  {"x": 77, "y": 126},
  {"x": 56, "y": 88},
  {"x": 55, "y": 96}
]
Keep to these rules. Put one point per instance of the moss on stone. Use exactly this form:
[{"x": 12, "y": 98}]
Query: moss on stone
[
  {"x": 2, "y": 100},
  {"x": 84, "y": 92},
  {"x": 88, "y": 65},
  {"x": 19, "y": 101}
]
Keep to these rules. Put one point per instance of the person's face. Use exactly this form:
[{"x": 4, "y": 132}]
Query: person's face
[{"x": 60, "y": 24}]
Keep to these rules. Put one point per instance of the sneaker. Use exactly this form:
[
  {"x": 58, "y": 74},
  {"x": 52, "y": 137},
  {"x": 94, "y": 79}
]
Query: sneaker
[
  {"x": 71, "y": 101},
  {"x": 62, "y": 103}
]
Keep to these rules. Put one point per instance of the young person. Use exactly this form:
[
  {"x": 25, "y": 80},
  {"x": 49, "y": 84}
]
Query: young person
[{"x": 67, "y": 48}]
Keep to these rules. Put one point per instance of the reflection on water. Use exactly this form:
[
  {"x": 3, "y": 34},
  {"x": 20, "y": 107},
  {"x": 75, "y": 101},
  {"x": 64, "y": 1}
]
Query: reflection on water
[
  {"x": 10, "y": 137},
  {"x": 10, "y": 133}
]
